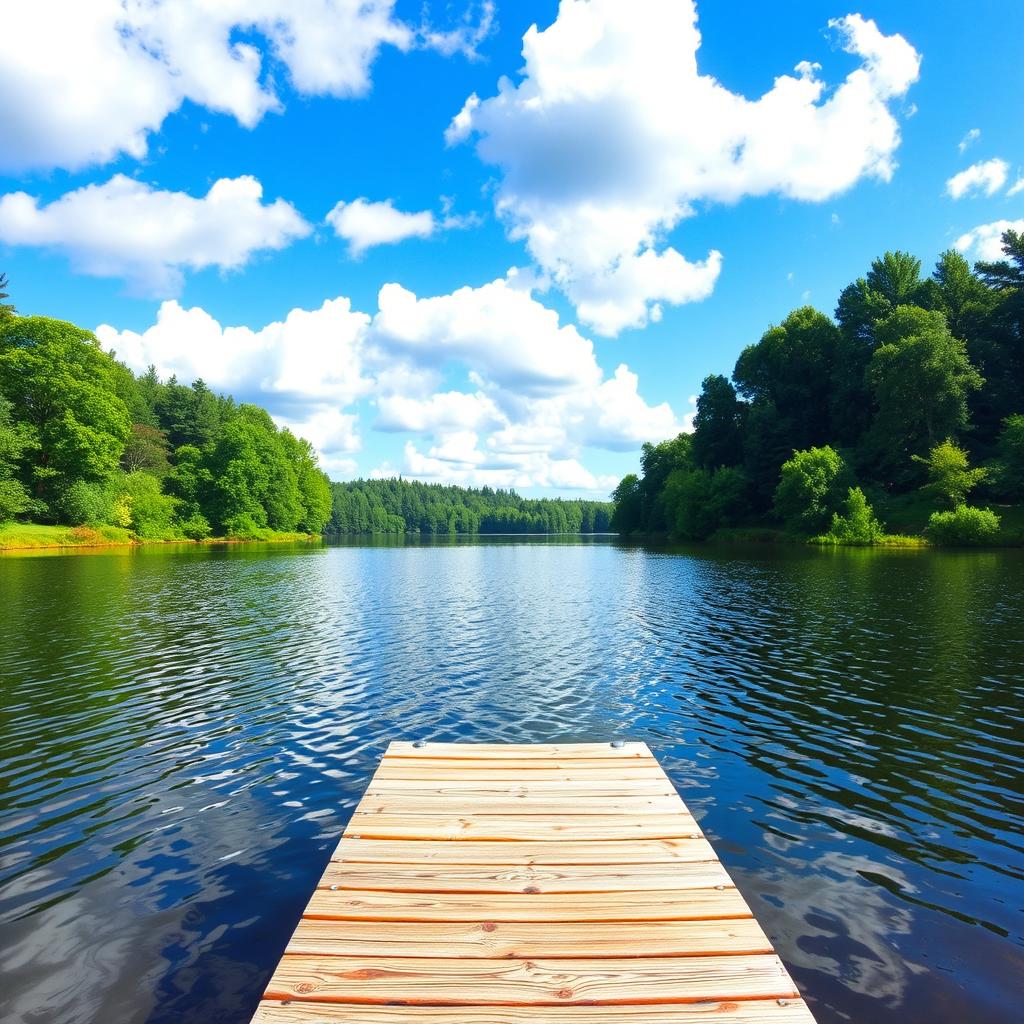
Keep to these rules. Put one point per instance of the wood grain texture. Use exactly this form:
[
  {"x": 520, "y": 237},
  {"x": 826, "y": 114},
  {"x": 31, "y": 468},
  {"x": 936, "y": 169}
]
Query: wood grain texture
[
  {"x": 753, "y": 1011},
  {"x": 495, "y": 941},
  {"x": 653, "y": 851},
  {"x": 513, "y": 827},
  {"x": 461, "y": 982},
  {"x": 522, "y": 751},
  {"x": 526, "y": 884},
  {"x": 688, "y": 905},
  {"x": 455, "y": 878}
]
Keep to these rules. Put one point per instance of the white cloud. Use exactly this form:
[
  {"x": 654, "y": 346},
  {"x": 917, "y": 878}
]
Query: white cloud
[
  {"x": 85, "y": 81},
  {"x": 985, "y": 241},
  {"x": 987, "y": 176},
  {"x": 1017, "y": 186},
  {"x": 969, "y": 139},
  {"x": 124, "y": 228},
  {"x": 364, "y": 224},
  {"x": 613, "y": 135},
  {"x": 307, "y": 369},
  {"x": 536, "y": 398},
  {"x": 465, "y": 37}
]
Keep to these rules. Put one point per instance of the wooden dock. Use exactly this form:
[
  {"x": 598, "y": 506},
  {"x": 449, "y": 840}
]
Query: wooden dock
[{"x": 554, "y": 884}]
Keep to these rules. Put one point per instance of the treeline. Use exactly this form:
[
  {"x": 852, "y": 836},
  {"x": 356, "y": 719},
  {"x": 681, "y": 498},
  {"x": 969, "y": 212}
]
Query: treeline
[
  {"x": 83, "y": 441},
  {"x": 409, "y": 506},
  {"x": 914, "y": 380}
]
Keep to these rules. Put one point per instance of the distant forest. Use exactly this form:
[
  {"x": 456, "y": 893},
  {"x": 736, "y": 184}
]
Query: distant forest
[
  {"x": 408, "y": 506},
  {"x": 912, "y": 395}
]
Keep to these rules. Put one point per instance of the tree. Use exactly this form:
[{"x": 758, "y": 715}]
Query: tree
[
  {"x": 314, "y": 487},
  {"x": 791, "y": 369},
  {"x": 810, "y": 489},
  {"x": 920, "y": 376},
  {"x": 699, "y": 501},
  {"x": 63, "y": 387},
  {"x": 627, "y": 498},
  {"x": 893, "y": 280},
  {"x": 14, "y": 442},
  {"x": 717, "y": 425},
  {"x": 857, "y": 524},
  {"x": 146, "y": 450},
  {"x": 949, "y": 474},
  {"x": 1011, "y": 456},
  {"x": 6, "y": 309}
]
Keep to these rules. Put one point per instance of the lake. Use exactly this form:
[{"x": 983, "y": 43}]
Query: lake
[{"x": 185, "y": 732}]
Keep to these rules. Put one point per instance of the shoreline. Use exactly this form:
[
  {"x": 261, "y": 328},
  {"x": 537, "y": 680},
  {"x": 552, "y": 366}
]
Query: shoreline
[{"x": 77, "y": 538}]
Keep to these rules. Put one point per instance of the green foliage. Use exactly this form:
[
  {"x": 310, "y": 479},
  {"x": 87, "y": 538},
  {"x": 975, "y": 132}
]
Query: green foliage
[
  {"x": 63, "y": 389},
  {"x": 6, "y": 309},
  {"x": 87, "y": 503},
  {"x": 403, "y": 506},
  {"x": 810, "y": 488},
  {"x": 15, "y": 440},
  {"x": 628, "y": 499},
  {"x": 1011, "y": 457},
  {"x": 700, "y": 501},
  {"x": 146, "y": 450},
  {"x": 920, "y": 376},
  {"x": 150, "y": 512},
  {"x": 949, "y": 473},
  {"x": 857, "y": 525},
  {"x": 964, "y": 526},
  {"x": 717, "y": 425}
]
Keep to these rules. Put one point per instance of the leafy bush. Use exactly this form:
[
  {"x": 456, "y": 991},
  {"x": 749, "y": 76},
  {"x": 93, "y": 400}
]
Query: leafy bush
[
  {"x": 85, "y": 503},
  {"x": 810, "y": 489},
  {"x": 195, "y": 527},
  {"x": 858, "y": 525},
  {"x": 949, "y": 473},
  {"x": 964, "y": 526},
  {"x": 151, "y": 512}
]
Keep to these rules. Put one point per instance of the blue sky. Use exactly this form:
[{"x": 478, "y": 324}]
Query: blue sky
[{"x": 663, "y": 198}]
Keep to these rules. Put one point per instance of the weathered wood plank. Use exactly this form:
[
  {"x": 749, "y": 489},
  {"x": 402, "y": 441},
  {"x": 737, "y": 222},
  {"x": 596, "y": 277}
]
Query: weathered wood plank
[
  {"x": 565, "y": 804},
  {"x": 522, "y": 879},
  {"x": 462, "y": 982},
  {"x": 653, "y": 851},
  {"x": 685, "y": 905},
  {"x": 525, "y": 751},
  {"x": 526, "y": 940},
  {"x": 517, "y": 787},
  {"x": 753, "y": 1011},
  {"x": 521, "y": 827},
  {"x": 517, "y": 764},
  {"x": 449, "y": 772}
]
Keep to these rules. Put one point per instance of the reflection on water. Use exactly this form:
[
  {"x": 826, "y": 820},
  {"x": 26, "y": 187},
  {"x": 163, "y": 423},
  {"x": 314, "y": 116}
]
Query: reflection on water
[{"x": 184, "y": 733}]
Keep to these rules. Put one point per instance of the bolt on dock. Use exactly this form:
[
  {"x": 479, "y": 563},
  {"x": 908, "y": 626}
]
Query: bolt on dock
[{"x": 543, "y": 883}]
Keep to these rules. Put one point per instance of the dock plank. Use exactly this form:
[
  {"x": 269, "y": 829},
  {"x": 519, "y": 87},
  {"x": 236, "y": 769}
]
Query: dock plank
[{"x": 505, "y": 884}]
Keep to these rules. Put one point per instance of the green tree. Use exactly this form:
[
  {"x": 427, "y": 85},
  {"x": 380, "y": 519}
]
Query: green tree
[
  {"x": 893, "y": 280},
  {"x": 810, "y": 489},
  {"x": 627, "y": 498},
  {"x": 699, "y": 501},
  {"x": 1011, "y": 456},
  {"x": 313, "y": 486},
  {"x": 6, "y": 309},
  {"x": 64, "y": 389},
  {"x": 949, "y": 473},
  {"x": 14, "y": 442},
  {"x": 717, "y": 425},
  {"x": 921, "y": 377},
  {"x": 146, "y": 450}
]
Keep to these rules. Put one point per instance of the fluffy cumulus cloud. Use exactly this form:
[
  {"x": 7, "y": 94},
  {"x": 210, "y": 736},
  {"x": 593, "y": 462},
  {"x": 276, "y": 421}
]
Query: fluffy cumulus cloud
[
  {"x": 613, "y": 135},
  {"x": 983, "y": 178},
  {"x": 124, "y": 228},
  {"x": 364, "y": 224},
  {"x": 493, "y": 388},
  {"x": 985, "y": 241},
  {"x": 84, "y": 82}
]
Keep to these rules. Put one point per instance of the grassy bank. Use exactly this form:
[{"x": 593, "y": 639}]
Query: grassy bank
[{"x": 30, "y": 536}]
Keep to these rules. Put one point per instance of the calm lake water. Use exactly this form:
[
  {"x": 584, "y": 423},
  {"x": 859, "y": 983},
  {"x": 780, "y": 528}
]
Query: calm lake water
[{"x": 183, "y": 734}]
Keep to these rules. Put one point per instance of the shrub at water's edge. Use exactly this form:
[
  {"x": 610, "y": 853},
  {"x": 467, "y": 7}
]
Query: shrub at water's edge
[{"x": 869, "y": 428}]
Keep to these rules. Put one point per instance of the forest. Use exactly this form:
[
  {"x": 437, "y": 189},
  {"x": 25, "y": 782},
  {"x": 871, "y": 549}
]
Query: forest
[
  {"x": 906, "y": 409},
  {"x": 86, "y": 443},
  {"x": 404, "y": 506}
]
